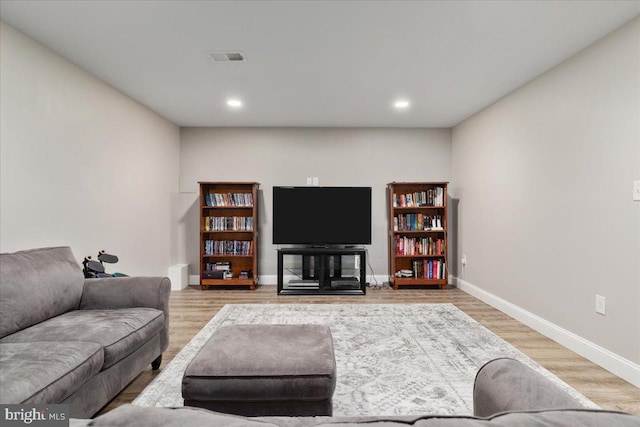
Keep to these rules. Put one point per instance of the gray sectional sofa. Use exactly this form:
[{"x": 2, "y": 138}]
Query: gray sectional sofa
[
  {"x": 67, "y": 339},
  {"x": 64, "y": 339},
  {"x": 506, "y": 394}
]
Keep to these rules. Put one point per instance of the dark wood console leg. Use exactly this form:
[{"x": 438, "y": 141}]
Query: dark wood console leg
[{"x": 155, "y": 365}]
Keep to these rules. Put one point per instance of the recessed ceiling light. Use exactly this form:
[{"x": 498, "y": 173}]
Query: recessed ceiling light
[
  {"x": 401, "y": 104},
  {"x": 227, "y": 56},
  {"x": 234, "y": 103}
]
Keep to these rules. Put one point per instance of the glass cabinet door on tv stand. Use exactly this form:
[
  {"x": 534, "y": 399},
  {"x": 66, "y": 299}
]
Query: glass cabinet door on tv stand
[{"x": 321, "y": 271}]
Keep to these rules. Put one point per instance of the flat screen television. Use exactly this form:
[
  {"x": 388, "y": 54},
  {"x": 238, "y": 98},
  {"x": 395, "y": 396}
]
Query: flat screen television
[{"x": 319, "y": 216}]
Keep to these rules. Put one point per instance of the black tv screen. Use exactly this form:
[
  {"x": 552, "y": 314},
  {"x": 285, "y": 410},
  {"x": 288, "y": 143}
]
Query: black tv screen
[{"x": 322, "y": 215}]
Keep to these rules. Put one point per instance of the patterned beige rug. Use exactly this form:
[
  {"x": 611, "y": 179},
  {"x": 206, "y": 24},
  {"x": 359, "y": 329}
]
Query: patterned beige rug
[{"x": 392, "y": 359}]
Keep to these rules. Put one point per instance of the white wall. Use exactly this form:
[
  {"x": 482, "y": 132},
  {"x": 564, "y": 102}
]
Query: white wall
[
  {"x": 287, "y": 156},
  {"x": 81, "y": 164},
  {"x": 542, "y": 180},
  {"x": 544, "y": 183}
]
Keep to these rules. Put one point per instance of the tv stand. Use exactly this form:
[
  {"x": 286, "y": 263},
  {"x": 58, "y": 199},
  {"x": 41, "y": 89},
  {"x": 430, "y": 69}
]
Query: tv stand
[{"x": 322, "y": 271}]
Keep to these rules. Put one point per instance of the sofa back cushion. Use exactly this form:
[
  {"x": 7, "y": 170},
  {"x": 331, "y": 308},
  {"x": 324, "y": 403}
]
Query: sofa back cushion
[{"x": 36, "y": 285}]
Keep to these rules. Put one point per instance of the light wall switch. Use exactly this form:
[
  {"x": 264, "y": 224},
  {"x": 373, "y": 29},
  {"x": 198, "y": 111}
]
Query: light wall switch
[
  {"x": 601, "y": 305},
  {"x": 636, "y": 191}
]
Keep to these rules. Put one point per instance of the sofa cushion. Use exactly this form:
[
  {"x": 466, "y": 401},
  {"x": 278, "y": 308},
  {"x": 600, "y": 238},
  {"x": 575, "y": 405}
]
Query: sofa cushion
[
  {"x": 129, "y": 415},
  {"x": 46, "y": 372},
  {"x": 36, "y": 285},
  {"x": 120, "y": 331},
  {"x": 506, "y": 384}
]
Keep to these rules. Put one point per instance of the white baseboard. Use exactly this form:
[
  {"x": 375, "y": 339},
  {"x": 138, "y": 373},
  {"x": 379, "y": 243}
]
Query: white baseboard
[
  {"x": 625, "y": 369},
  {"x": 380, "y": 279},
  {"x": 268, "y": 279}
]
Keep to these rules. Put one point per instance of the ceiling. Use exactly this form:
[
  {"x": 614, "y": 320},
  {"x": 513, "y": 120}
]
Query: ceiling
[{"x": 317, "y": 63}]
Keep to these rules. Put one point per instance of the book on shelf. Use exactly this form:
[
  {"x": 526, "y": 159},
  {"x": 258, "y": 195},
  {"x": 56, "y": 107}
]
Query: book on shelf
[
  {"x": 223, "y": 223},
  {"x": 433, "y": 269},
  {"x": 417, "y": 222},
  {"x": 228, "y": 199},
  {"x": 419, "y": 246},
  {"x": 218, "y": 266},
  {"x": 228, "y": 247},
  {"x": 215, "y": 270},
  {"x": 431, "y": 197}
]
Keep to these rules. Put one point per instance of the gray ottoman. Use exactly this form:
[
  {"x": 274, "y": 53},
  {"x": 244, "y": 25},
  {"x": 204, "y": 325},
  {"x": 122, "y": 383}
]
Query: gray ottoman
[{"x": 262, "y": 370}]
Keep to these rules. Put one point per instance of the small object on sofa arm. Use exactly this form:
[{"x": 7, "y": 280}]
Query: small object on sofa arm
[{"x": 505, "y": 385}]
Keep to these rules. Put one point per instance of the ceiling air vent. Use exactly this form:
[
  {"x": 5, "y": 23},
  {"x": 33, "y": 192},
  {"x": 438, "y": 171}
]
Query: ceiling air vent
[{"x": 227, "y": 56}]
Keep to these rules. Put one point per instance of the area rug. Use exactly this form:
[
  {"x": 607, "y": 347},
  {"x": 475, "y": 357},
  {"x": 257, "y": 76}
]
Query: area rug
[{"x": 392, "y": 359}]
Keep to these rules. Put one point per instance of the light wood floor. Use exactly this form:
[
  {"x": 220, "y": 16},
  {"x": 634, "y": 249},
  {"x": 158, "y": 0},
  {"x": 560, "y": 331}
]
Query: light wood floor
[{"x": 191, "y": 309}]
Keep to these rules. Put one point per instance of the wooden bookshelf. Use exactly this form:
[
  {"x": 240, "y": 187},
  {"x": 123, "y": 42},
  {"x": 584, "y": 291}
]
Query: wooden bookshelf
[
  {"x": 418, "y": 252},
  {"x": 228, "y": 234}
]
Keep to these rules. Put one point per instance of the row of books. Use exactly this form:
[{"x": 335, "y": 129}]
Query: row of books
[
  {"x": 229, "y": 199},
  {"x": 226, "y": 223},
  {"x": 228, "y": 247},
  {"x": 417, "y": 222},
  {"x": 419, "y": 246},
  {"x": 429, "y": 269},
  {"x": 430, "y": 197}
]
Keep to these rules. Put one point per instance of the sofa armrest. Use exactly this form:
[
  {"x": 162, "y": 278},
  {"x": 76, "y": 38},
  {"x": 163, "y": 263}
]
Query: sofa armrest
[
  {"x": 504, "y": 385},
  {"x": 129, "y": 292}
]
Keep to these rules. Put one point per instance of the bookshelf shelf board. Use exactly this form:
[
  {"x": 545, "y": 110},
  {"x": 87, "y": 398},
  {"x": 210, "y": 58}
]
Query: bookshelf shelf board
[
  {"x": 413, "y": 208},
  {"x": 227, "y": 231},
  {"x": 420, "y": 256},
  {"x": 227, "y": 256},
  {"x": 408, "y": 282},
  {"x": 227, "y": 207},
  {"x": 417, "y": 231},
  {"x": 227, "y": 282}
]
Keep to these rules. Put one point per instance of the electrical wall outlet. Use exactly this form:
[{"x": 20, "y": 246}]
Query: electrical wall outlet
[
  {"x": 636, "y": 191},
  {"x": 464, "y": 260},
  {"x": 309, "y": 180},
  {"x": 601, "y": 305},
  {"x": 315, "y": 180}
]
